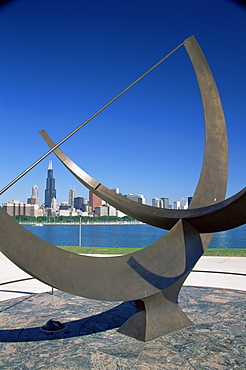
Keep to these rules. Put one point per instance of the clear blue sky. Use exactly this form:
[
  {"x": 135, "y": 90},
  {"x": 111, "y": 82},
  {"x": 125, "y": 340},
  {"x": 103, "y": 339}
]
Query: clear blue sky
[{"x": 62, "y": 60}]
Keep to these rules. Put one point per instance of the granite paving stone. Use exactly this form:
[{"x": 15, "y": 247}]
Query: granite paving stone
[{"x": 217, "y": 341}]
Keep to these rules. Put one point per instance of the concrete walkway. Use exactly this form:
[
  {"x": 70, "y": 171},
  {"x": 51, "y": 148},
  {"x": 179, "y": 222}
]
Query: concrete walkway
[
  {"x": 15, "y": 283},
  {"x": 214, "y": 272},
  {"x": 219, "y": 272}
]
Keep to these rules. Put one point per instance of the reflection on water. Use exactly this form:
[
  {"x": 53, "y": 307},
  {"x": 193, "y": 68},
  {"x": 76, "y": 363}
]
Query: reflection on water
[
  {"x": 137, "y": 236},
  {"x": 222, "y": 240},
  {"x": 235, "y": 238}
]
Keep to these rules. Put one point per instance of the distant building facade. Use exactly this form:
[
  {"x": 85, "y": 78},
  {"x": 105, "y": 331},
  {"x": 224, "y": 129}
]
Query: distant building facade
[
  {"x": 50, "y": 191},
  {"x": 102, "y": 210},
  {"x": 17, "y": 208},
  {"x": 64, "y": 206},
  {"x": 176, "y": 205},
  {"x": 35, "y": 199},
  {"x": 72, "y": 194},
  {"x": 156, "y": 202},
  {"x": 181, "y": 204},
  {"x": 165, "y": 202},
  {"x": 94, "y": 201},
  {"x": 160, "y": 203},
  {"x": 82, "y": 204},
  {"x": 189, "y": 200},
  {"x": 137, "y": 198}
]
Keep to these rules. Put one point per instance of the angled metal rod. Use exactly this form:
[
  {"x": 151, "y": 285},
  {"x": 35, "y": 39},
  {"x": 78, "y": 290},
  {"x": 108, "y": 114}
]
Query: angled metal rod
[{"x": 85, "y": 122}]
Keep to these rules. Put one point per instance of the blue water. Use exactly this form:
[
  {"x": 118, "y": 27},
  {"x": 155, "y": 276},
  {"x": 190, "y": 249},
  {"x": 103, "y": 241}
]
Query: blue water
[{"x": 137, "y": 236}]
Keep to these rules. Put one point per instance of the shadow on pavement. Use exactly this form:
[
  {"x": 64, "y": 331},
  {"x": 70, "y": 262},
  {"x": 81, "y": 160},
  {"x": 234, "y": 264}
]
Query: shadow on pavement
[{"x": 104, "y": 321}]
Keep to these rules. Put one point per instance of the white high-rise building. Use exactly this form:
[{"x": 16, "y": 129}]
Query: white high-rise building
[
  {"x": 111, "y": 211},
  {"x": 116, "y": 190},
  {"x": 54, "y": 204},
  {"x": 137, "y": 198},
  {"x": 162, "y": 203},
  {"x": 183, "y": 203},
  {"x": 156, "y": 202},
  {"x": 165, "y": 202},
  {"x": 71, "y": 196},
  {"x": 16, "y": 208},
  {"x": 101, "y": 211},
  {"x": 141, "y": 199},
  {"x": 176, "y": 205},
  {"x": 35, "y": 199}
]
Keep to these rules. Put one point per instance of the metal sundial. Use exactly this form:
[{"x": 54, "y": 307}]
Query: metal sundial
[{"x": 153, "y": 276}]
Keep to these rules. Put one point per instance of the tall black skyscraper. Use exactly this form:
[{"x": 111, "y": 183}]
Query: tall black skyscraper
[{"x": 50, "y": 191}]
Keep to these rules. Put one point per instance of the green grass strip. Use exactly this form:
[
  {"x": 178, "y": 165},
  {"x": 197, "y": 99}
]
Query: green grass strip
[
  {"x": 226, "y": 252},
  {"x": 100, "y": 250},
  {"x": 116, "y": 250}
]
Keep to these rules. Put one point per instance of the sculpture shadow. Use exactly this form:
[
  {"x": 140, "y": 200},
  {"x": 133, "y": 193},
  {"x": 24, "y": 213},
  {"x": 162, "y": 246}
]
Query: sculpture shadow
[{"x": 102, "y": 322}]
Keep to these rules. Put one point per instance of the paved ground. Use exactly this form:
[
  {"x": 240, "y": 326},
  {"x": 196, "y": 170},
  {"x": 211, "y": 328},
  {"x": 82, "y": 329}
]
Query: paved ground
[{"x": 91, "y": 341}]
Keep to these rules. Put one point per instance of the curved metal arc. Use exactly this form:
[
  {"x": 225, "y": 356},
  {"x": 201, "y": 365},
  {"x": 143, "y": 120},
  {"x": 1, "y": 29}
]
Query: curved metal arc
[
  {"x": 227, "y": 215},
  {"x": 127, "y": 277},
  {"x": 108, "y": 278},
  {"x": 154, "y": 270},
  {"x": 213, "y": 178},
  {"x": 215, "y": 217},
  {"x": 212, "y": 183},
  {"x": 139, "y": 211}
]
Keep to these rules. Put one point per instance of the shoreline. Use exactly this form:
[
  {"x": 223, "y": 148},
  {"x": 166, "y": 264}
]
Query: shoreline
[
  {"x": 212, "y": 252},
  {"x": 83, "y": 223}
]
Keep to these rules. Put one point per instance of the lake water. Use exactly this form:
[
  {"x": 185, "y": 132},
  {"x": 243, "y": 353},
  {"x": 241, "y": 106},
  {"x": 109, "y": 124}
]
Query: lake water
[{"x": 138, "y": 236}]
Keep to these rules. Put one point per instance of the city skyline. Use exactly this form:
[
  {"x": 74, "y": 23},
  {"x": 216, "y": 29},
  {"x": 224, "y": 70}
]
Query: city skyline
[
  {"x": 61, "y": 63},
  {"x": 93, "y": 200}
]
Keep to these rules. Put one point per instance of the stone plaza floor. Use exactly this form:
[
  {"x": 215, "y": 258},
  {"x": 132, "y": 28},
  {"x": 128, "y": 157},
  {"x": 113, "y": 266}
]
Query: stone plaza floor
[
  {"x": 91, "y": 341},
  {"x": 214, "y": 298}
]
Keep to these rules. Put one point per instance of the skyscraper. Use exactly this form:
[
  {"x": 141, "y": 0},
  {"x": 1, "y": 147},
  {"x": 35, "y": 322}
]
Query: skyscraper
[
  {"x": 137, "y": 198},
  {"x": 165, "y": 202},
  {"x": 71, "y": 196},
  {"x": 94, "y": 200},
  {"x": 189, "y": 200},
  {"x": 155, "y": 202},
  {"x": 183, "y": 203},
  {"x": 35, "y": 199},
  {"x": 81, "y": 203},
  {"x": 50, "y": 191}
]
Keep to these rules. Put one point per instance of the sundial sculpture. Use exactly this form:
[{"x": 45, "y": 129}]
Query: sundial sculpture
[{"x": 153, "y": 276}]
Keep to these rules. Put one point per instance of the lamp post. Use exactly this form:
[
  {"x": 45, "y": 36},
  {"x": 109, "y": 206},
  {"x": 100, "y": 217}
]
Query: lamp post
[{"x": 80, "y": 229}]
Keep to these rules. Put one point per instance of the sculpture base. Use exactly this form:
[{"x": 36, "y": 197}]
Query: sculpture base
[{"x": 157, "y": 315}]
